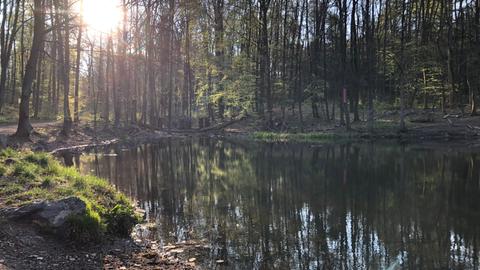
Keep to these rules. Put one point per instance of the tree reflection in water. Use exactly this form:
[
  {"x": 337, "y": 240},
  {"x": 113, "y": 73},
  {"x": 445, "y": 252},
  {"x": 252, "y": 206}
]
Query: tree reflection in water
[{"x": 344, "y": 206}]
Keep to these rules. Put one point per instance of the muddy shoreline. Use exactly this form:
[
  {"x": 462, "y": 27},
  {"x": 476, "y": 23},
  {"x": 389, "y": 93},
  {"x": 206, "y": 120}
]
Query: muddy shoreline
[{"x": 84, "y": 136}]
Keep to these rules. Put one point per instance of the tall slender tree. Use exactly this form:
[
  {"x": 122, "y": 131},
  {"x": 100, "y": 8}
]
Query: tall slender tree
[{"x": 24, "y": 128}]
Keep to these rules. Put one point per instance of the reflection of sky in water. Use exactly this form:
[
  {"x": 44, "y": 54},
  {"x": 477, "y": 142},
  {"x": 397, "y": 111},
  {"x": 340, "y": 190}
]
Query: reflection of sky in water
[
  {"x": 460, "y": 251},
  {"x": 284, "y": 207}
]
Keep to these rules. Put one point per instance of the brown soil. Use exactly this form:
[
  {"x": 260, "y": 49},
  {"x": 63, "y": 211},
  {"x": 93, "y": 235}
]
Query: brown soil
[
  {"x": 47, "y": 136},
  {"x": 23, "y": 247}
]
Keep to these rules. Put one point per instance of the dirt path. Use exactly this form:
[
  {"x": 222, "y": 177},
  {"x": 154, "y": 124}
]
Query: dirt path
[
  {"x": 9, "y": 129},
  {"x": 48, "y": 137}
]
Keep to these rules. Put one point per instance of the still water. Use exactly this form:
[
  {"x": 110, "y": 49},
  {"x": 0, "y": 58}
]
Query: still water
[{"x": 281, "y": 206}]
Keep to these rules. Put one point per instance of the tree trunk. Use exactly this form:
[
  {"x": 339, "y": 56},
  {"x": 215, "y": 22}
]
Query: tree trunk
[
  {"x": 24, "y": 127},
  {"x": 369, "y": 60},
  {"x": 67, "y": 118},
  {"x": 219, "y": 52},
  {"x": 402, "y": 90},
  {"x": 38, "y": 86},
  {"x": 76, "y": 113},
  {"x": 170, "y": 62},
  {"x": 7, "y": 40}
]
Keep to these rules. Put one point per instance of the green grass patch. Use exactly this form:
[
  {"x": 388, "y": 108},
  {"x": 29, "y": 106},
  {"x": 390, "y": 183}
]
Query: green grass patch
[
  {"x": 301, "y": 137},
  {"x": 381, "y": 129},
  {"x": 26, "y": 176}
]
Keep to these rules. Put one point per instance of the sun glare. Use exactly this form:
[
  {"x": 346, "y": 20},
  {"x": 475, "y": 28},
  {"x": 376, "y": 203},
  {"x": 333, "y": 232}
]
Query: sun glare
[{"x": 101, "y": 15}]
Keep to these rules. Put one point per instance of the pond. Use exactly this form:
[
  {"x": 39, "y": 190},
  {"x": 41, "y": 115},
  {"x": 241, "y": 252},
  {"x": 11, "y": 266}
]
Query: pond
[{"x": 301, "y": 206}]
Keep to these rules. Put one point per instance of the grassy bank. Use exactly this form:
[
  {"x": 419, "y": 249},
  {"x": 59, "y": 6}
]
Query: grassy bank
[
  {"x": 302, "y": 137},
  {"x": 331, "y": 133},
  {"x": 26, "y": 176}
]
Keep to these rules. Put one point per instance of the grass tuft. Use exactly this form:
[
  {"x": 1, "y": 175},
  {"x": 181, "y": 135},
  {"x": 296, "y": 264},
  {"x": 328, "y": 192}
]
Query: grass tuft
[
  {"x": 86, "y": 228},
  {"x": 48, "y": 182}
]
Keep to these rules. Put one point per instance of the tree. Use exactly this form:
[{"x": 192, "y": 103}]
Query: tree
[
  {"x": 174, "y": 61},
  {"x": 76, "y": 113},
  {"x": 9, "y": 27},
  {"x": 24, "y": 127},
  {"x": 64, "y": 52}
]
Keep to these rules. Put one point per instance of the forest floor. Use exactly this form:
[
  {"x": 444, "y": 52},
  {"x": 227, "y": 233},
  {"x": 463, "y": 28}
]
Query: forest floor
[
  {"x": 47, "y": 136},
  {"x": 22, "y": 247},
  {"x": 421, "y": 127}
]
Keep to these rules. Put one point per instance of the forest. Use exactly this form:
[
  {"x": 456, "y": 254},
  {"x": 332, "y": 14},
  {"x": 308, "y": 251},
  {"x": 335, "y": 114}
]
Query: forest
[
  {"x": 169, "y": 64},
  {"x": 239, "y": 134}
]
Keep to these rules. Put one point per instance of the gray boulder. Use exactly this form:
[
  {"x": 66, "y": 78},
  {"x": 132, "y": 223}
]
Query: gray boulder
[{"x": 49, "y": 215}]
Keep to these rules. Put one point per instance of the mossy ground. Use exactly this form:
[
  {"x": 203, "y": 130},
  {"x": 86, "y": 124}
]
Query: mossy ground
[{"x": 27, "y": 176}]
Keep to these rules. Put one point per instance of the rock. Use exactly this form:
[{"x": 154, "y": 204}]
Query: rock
[
  {"x": 56, "y": 213},
  {"x": 24, "y": 211},
  {"x": 50, "y": 215}
]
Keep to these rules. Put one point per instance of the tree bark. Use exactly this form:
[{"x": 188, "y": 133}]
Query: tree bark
[
  {"x": 7, "y": 40},
  {"x": 76, "y": 113},
  {"x": 67, "y": 118},
  {"x": 24, "y": 128}
]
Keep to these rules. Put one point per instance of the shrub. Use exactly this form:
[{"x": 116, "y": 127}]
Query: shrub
[
  {"x": 120, "y": 220},
  {"x": 85, "y": 228}
]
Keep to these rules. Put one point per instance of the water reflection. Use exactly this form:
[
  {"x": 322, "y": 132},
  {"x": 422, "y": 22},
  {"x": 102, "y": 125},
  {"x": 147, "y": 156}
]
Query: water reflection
[{"x": 343, "y": 206}]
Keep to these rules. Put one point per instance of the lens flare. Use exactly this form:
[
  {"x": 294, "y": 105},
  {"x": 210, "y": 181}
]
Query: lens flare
[{"x": 101, "y": 16}]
